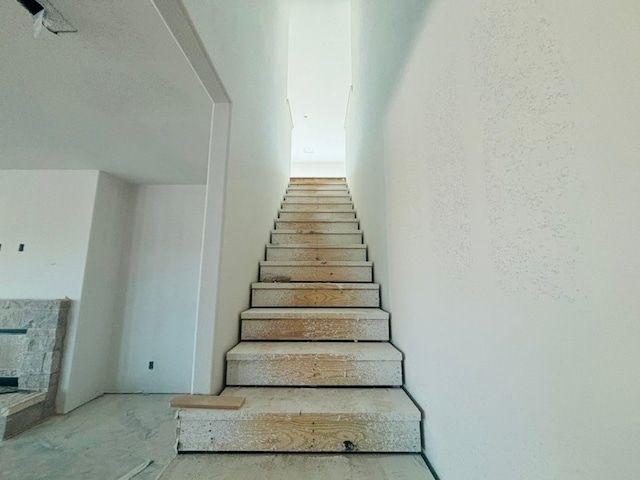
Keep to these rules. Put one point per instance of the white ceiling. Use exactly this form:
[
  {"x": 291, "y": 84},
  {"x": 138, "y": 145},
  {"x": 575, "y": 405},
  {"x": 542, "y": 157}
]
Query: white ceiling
[{"x": 117, "y": 96}]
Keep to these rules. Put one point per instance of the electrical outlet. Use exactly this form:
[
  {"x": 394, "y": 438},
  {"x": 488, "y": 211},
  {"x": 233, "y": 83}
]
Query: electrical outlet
[{"x": 150, "y": 365}]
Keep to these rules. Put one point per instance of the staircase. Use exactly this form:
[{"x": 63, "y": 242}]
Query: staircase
[{"x": 314, "y": 362}]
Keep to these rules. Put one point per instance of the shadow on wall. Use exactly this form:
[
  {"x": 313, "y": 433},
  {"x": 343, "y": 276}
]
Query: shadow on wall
[{"x": 391, "y": 56}]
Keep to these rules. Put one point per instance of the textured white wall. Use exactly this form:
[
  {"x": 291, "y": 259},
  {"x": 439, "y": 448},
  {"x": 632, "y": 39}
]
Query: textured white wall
[
  {"x": 247, "y": 43},
  {"x": 507, "y": 173},
  {"x": 90, "y": 341},
  {"x": 161, "y": 292}
]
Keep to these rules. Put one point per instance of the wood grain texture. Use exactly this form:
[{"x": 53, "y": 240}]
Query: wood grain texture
[
  {"x": 315, "y": 272},
  {"x": 290, "y": 295},
  {"x": 317, "y": 193},
  {"x": 322, "y": 200},
  {"x": 281, "y": 237},
  {"x": 315, "y": 329},
  {"x": 315, "y": 324},
  {"x": 315, "y": 188},
  {"x": 305, "y": 419},
  {"x": 207, "y": 401},
  {"x": 322, "y": 207},
  {"x": 308, "y": 370},
  {"x": 299, "y": 433},
  {"x": 318, "y": 225},
  {"x": 317, "y": 181},
  {"x": 344, "y": 253},
  {"x": 314, "y": 216}
]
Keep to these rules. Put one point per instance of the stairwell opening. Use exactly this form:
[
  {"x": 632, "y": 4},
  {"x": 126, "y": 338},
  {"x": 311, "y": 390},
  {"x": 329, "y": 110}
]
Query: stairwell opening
[{"x": 319, "y": 85}]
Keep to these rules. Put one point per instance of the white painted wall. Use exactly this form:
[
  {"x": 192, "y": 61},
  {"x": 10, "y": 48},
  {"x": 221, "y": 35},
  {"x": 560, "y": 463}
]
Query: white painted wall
[
  {"x": 254, "y": 74},
  {"x": 90, "y": 340},
  {"x": 319, "y": 80},
  {"x": 50, "y": 212},
  {"x": 492, "y": 153},
  {"x": 74, "y": 225},
  {"x": 161, "y": 291}
]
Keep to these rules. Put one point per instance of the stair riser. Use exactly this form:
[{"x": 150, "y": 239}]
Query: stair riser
[
  {"x": 289, "y": 297},
  {"x": 348, "y": 226},
  {"x": 329, "y": 238},
  {"x": 298, "y": 433},
  {"x": 313, "y": 216},
  {"x": 312, "y": 189},
  {"x": 288, "y": 199},
  {"x": 312, "y": 371},
  {"x": 316, "y": 274},
  {"x": 318, "y": 181},
  {"x": 317, "y": 193},
  {"x": 317, "y": 254},
  {"x": 315, "y": 329},
  {"x": 314, "y": 207}
]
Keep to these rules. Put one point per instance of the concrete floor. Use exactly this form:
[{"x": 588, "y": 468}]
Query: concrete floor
[{"x": 111, "y": 436}]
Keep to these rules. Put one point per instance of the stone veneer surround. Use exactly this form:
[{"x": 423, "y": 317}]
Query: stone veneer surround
[{"x": 37, "y": 329}]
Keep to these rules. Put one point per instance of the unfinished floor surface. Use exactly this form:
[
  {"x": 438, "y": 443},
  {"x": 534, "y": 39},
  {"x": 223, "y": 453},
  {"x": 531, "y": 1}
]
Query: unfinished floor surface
[
  {"x": 104, "y": 439},
  {"x": 297, "y": 467},
  {"x": 315, "y": 363}
]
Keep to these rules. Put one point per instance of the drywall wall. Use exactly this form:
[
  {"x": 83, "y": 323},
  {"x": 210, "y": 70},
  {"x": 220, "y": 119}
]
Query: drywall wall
[
  {"x": 318, "y": 169},
  {"x": 73, "y": 225},
  {"x": 50, "y": 213},
  {"x": 161, "y": 291},
  {"x": 319, "y": 80},
  {"x": 91, "y": 339},
  {"x": 499, "y": 140},
  {"x": 247, "y": 44}
]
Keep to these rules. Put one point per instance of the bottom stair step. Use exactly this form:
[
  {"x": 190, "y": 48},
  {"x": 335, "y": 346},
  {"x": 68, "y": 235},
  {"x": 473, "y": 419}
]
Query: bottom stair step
[{"x": 305, "y": 420}]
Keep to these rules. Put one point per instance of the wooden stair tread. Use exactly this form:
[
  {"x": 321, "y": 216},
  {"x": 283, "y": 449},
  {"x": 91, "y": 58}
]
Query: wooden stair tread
[
  {"x": 293, "y": 263},
  {"x": 328, "y": 246},
  {"x": 314, "y": 286},
  {"x": 382, "y": 403},
  {"x": 318, "y": 193},
  {"x": 337, "y": 220},
  {"x": 350, "y": 351},
  {"x": 310, "y": 312}
]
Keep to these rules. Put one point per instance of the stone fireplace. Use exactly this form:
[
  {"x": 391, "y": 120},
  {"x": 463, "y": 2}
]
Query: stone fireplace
[{"x": 31, "y": 344}]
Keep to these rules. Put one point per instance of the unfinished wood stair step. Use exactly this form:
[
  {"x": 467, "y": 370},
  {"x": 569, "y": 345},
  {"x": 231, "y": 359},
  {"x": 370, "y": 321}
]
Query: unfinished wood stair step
[
  {"x": 315, "y": 271},
  {"x": 318, "y": 225},
  {"x": 317, "y": 188},
  {"x": 339, "y": 199},
  {"x": 305, "y": 420},
  {"x": 319, "y": 324},
  {"x": 279, "y": 237},
  {"x": 315, "y": 216},
  {"x": 317, "y": 207},
  {"x": 317, "y": 181},
  {"x": 373, "y": 364},
  {"x": 324, "y": 253},
  {"x": 317, "y": 193},
  {"x": 315, "y": 295}
]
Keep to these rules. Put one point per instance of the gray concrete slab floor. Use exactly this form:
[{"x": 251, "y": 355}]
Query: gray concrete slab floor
[
  {"x": 297, "y": 467},
  {"x": 104, "y": 439}
]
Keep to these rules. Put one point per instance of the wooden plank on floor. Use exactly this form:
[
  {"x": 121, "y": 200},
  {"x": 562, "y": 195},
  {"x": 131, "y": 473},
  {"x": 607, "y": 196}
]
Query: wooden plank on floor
[{"x": 208, "y": 401}]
